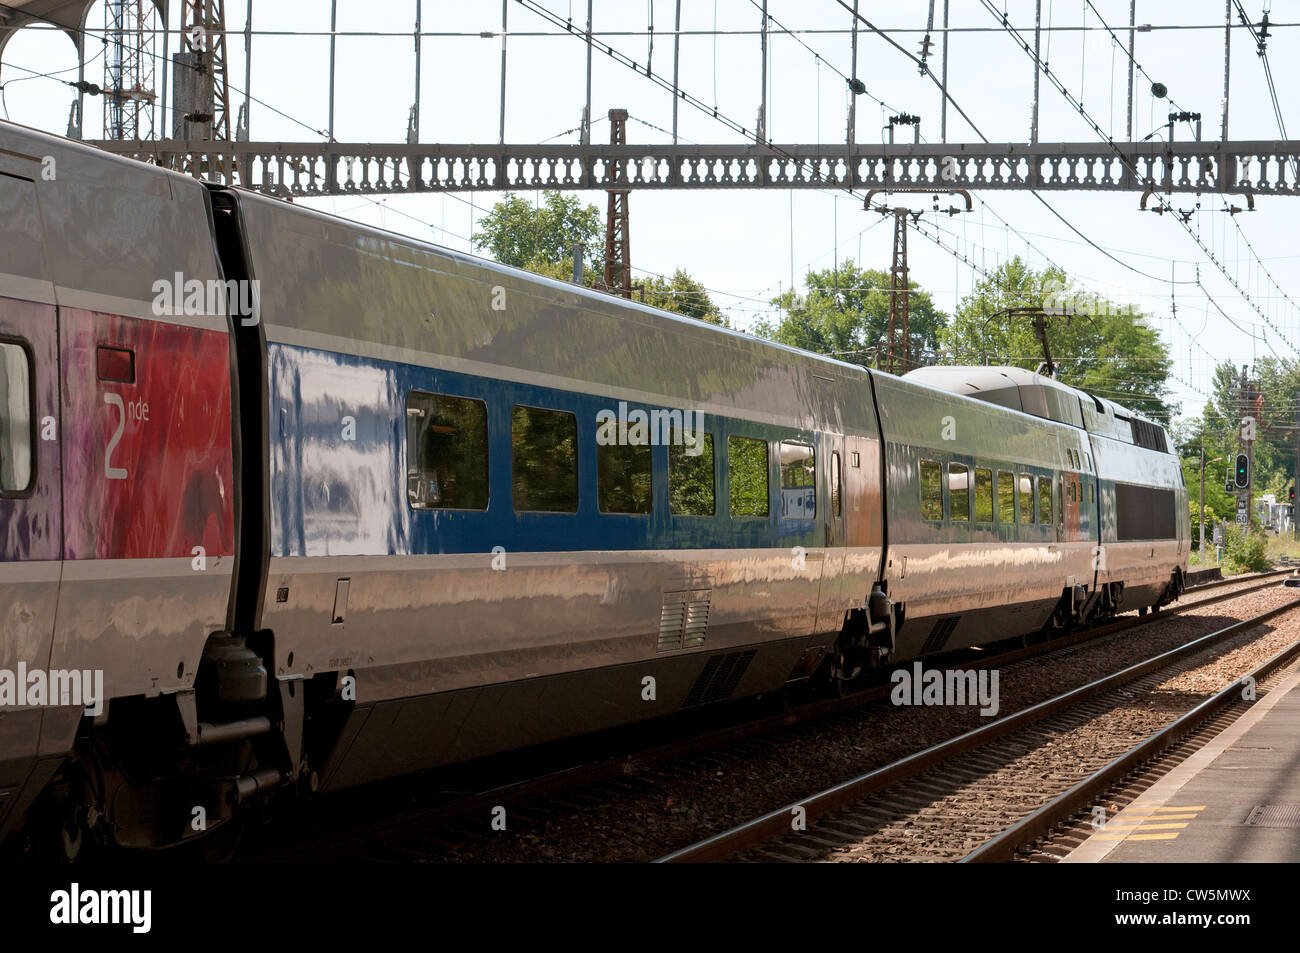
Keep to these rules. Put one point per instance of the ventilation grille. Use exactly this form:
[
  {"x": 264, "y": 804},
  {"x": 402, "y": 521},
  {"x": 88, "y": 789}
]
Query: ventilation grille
[
  {"x": 1146, "y": 434},
  {"x": 684, "y": 619},
  {"x": 938, "y": 637},
  {"x": 719, "y": 679},
  {"x": 1274, "y": 815}
]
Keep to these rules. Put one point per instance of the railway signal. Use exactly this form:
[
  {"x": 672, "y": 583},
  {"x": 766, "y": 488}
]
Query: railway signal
[{"x": 1243, "y": 471}]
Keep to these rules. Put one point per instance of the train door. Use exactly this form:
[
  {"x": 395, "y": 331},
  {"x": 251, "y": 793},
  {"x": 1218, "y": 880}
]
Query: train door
[
  {"x": 1070, "y": 505},
  {"x": 1087, "y": 498},
  {"x": 832, "y": 597},
  {"x": 1090, "y": 515},
  {"x": 863, "y": 500},
  {"x": 834, "y": 484},
  {"x": 30, "y": 482},
  {"x": 854, "y": 527}
]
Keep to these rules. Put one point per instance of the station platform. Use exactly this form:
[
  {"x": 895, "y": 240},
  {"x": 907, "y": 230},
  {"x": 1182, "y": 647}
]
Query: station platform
[{"x": 1236, "y": 800}]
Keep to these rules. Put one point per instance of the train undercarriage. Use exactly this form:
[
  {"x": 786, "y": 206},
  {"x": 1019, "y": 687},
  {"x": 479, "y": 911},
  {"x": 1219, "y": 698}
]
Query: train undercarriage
[{"x": 186, "y": 771}]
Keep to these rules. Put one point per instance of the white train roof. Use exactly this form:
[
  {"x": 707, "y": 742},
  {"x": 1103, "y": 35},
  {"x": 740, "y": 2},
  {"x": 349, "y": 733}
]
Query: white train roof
[{"x": 1045, "y": 397}]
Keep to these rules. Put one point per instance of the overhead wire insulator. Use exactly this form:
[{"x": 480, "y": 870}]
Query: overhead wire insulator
[{"x": 926, "y": 45}]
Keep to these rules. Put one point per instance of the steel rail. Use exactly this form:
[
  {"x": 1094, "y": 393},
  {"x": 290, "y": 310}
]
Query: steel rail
[
  {"x": 1028, "y": 829},
  {"x": 778, "y": 822}
]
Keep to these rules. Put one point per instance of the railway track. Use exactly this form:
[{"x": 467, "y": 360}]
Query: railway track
[
  {"x": 374, "y": 837},
  {"x": 993, "y": 792}
]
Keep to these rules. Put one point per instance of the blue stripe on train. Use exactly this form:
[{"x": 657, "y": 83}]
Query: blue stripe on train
[{"x": 331, "y": 495}]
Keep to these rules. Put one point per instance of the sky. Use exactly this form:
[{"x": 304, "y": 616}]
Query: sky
[{"x": 747, "y": 246}]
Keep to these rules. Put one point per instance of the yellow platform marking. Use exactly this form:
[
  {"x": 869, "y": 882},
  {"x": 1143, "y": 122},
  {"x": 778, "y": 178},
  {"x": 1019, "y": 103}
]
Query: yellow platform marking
[
  {"x": 1139, "y": 817},
  {"x": 1131, "y": 836}
]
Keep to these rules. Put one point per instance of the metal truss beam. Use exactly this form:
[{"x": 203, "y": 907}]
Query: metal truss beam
[{"x": 314, "y": 168}]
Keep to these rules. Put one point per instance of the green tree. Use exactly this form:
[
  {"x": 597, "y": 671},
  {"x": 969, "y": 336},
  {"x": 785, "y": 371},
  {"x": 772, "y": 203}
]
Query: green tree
[
  {"x": 1099, "y": 346},
  {"x": 685, "y": 295},
  {"x": 1274, "y": 452},
  {"x": 845, "y": 313},
  {"x": 540, "y": 236}
]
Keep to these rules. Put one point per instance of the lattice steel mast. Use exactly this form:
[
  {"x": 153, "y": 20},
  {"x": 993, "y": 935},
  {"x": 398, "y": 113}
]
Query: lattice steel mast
[{"x": 128, "y": 71}]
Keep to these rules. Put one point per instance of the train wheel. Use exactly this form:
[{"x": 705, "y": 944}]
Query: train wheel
[{"x": 70, "y": 840}]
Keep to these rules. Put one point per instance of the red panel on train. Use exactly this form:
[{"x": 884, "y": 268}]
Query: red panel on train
[{"x": 147, "y": 464}]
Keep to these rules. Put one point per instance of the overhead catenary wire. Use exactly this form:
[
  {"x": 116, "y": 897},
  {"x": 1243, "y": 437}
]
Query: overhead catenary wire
[
  {"x": 735, "y": 126},
  {"x": 883, "y": 32},
  {"x": 52, "y": 26},
  {"x": 1165, "y": 205}
]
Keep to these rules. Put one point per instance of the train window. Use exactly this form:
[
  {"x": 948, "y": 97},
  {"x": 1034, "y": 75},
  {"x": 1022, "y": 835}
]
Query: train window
[
  {"x": 798, "y": 481},
  {"x": 1091, "y": 497},
  {"x": 983, "y": 495},
  {"x": 446, "y": 452},
  {"x": 855, "y": 460},
  {"x": 836, "y": 507},
  {"x": 1044, "y": 499},
  {"x": 544, "y": 472},
  {"x": 747, "y": 461},
  {"x": 691, "y": 482},
  {"x": 1006, "y": 497},
  {"x": 1025, "y": 493},
  {"x": 16, "y": 436},
  {"x": 115, "y": 364},
  {"x": 623, "y": 478},
  {"x": 931, "y": 490},
  {"x": 959, "y": 492}
]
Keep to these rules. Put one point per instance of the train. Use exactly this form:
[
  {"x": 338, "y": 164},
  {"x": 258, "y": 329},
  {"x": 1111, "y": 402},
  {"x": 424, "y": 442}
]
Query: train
[{"x": 306, "y": 505}]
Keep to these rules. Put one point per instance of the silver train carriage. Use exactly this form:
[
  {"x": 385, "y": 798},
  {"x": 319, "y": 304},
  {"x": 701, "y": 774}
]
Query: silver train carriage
[{"x": 319, "y": 504}]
